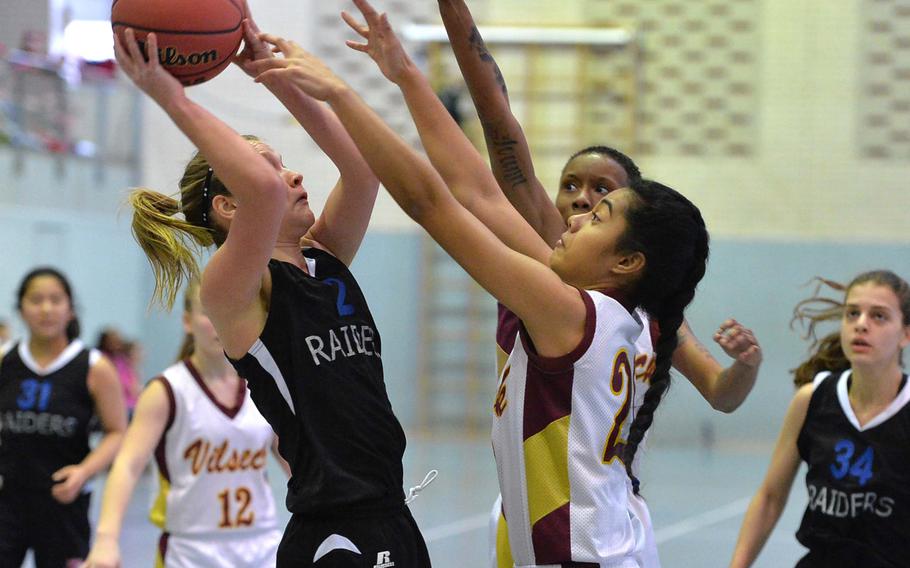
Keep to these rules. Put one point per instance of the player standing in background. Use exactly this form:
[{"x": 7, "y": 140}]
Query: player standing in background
[
  {"x": 851, "y": 428},
  {"x": 214, "y": 504},
  {"x": 51, "y": 386}
]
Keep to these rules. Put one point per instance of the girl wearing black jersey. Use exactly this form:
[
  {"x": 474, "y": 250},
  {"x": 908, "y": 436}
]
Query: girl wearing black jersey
[
  {"x": 296, "y": 326},
  {"x": 850, "y": 425},
  {"x": 50, "y": 387},
  {"x": 646, "y": 245}
]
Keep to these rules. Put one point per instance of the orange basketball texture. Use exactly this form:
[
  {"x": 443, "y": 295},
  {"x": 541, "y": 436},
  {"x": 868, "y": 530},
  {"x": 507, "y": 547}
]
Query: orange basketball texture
[{"x": 196, "y": 38}]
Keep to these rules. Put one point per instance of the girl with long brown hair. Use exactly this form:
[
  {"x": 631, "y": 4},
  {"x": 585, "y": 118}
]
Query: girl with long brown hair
[{"x": 849, "y": 422}]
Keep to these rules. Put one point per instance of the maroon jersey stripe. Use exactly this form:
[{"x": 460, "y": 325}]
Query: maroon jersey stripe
[
  {"x": 506, "y": 328},
  {"x": 548, "y": 385},
  {"x": 161, "y": 447}
]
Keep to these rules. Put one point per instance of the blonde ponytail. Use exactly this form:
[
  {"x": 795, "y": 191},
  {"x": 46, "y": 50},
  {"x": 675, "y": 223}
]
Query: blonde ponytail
[{"x": 170, "y": 243}]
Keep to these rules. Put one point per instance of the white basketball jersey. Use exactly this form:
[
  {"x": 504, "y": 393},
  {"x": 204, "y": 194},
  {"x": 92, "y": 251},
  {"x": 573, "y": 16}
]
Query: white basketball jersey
[
  {"x": 212, "y": 462},
  {"x": 558, "y": 432}
]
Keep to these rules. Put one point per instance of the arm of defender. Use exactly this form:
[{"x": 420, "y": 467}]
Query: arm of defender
[
  {"x": 553, "y": 312},
  {"x": 771, "y": 497},
  {"x": 450, "y": 152},
  {"x": 507, "y": 146},
  {"x": 725, "y": 389}
]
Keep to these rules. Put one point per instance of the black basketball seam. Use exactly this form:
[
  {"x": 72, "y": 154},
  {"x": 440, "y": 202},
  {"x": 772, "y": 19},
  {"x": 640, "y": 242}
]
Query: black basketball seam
[
  {"x": 175, "y": 32},
  {"x": 233, "y": 3}
]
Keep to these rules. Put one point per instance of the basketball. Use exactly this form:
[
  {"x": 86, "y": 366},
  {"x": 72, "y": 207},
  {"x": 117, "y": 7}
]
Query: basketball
[{"x": 196, "y": 38}]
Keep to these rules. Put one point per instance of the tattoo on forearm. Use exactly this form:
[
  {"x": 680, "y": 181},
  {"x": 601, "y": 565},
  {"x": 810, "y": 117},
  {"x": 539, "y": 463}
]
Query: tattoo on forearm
[
  {"x": 681, "y": 336},
  {"x": 481, "y": 48},
  {"x": 703, "y": 349},
  {"x": 504, "y": 156}
]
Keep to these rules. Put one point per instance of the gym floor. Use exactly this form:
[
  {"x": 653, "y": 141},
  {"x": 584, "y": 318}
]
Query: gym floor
[{"x": 697, "y": 500}]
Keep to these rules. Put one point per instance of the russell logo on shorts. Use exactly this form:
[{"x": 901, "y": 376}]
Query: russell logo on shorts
[{"x": 383, "y": 560}]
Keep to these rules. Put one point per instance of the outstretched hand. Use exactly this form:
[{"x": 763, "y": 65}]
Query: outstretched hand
[
  {"x": 382, "y": 44},
  {"x": 299, "y": 67},
  {"x": 254, "y": 49},
  {"x": 739, "y": 343},
  {"x": 146, "y": 72}
]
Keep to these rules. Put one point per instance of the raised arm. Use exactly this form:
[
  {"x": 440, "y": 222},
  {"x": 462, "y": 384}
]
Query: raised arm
[
  {"x": 771, "y": 497},
  {"x": 341, "y": 226},
  {"x": 724, "y": 388},
  {"x": 449, "y": 150},
  {"x": 507, "y": 146},
  {"x": 556, "y": 323},
  {"x": 144, "y": 433},
  {"x": 233, "y": 277}
]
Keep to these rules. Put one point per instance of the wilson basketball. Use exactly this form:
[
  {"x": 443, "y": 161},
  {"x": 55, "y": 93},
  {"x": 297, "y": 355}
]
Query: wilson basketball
[{"x": 196, "y": 38}]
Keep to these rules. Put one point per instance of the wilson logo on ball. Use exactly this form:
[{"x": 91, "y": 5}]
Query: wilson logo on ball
[
  {"x": 172, "y": 58},
  {"x": 196, "y": 38}
]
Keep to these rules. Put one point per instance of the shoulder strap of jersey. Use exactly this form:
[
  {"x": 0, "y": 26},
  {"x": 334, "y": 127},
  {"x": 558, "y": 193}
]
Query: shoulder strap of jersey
[{"x": 171, "y": 401}]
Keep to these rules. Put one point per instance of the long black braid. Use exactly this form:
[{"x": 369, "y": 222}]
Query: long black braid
[{"x": 669, "y": 230}]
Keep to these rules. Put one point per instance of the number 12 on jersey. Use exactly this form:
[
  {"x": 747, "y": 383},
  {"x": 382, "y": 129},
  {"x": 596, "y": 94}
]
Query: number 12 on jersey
[{"x": 244, "y": 517}]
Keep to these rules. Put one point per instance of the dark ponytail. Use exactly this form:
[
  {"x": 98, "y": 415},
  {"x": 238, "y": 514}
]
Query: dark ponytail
[{"x": 669, "y": 230}]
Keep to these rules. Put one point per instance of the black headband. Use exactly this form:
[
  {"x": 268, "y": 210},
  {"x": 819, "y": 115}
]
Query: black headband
[{"x": 205, "y": 197}]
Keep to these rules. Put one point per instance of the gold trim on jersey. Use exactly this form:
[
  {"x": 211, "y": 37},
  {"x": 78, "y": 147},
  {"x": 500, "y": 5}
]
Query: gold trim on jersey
[
  {"x": 158, "y": 513},
  {"x": 503, "y": 548},
  {"x": 547, "y": 469}
]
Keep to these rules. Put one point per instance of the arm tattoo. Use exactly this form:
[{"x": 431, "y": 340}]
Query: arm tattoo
[
  {"x": 703, "y": 349},
  {"x": 481, "y": 48},
  {"x": 684, "y": 335},
  {"x": 681, "y": 336},
  {"x": 504, "y": 155}
]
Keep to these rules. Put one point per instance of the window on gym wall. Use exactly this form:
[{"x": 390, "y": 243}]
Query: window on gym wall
[
  {"x": 88, "y": 40},
  {"x": 69, "y": 131}
]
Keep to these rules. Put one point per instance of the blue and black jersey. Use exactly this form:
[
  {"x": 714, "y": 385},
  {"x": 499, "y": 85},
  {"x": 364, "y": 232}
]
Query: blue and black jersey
[
  {"x": 316, "y": 375},
  {"x": 858, "y": 480},
  {"x": 44, "y": 414}
]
